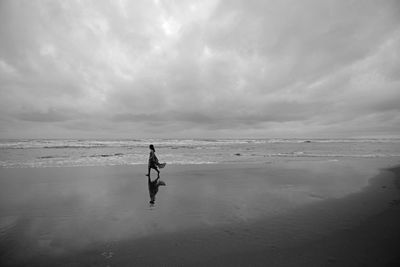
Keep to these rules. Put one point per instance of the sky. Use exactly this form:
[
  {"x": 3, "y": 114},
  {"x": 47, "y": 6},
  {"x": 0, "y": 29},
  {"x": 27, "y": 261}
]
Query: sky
[{"x": 199, "y": 69}]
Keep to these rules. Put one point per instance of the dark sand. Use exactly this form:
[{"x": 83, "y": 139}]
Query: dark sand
[{"x": 301, "y": 213}]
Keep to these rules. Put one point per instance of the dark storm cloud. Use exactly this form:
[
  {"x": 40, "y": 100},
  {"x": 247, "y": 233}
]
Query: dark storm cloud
[
  {"x": 48, "y": 116},
  {"x": 199, "y": 68}
]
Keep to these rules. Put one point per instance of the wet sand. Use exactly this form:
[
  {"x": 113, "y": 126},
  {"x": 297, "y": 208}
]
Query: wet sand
[{"x": 300, "y": 213}]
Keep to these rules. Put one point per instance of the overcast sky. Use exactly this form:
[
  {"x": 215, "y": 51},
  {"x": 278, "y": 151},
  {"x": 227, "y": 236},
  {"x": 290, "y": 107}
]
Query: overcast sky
[{"x": 209, "y": 68}]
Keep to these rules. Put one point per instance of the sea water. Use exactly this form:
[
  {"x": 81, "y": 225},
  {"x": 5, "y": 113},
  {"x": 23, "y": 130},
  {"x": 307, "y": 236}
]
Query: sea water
[{"x": 70, "y": 152}]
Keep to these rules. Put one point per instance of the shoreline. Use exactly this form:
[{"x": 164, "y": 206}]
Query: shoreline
[{"x": 359, "y": 228}]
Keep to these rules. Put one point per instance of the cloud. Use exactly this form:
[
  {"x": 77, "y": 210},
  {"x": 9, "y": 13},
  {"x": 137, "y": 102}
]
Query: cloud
[
  {"x": 50, "y": 115},
  {"x": 210, "y": 68}
]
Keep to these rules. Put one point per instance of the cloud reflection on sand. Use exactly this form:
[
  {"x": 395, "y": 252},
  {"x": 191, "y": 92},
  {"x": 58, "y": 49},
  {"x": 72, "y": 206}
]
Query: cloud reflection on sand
[{"x": 59, "y": 210}]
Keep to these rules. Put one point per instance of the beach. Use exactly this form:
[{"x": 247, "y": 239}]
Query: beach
[
  {"x": 304, "y": 212},
  {"x": 275, "y": 125}
]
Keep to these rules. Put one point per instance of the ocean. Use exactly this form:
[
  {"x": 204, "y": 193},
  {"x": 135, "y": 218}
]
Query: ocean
[{"x": 70, "y": 152}]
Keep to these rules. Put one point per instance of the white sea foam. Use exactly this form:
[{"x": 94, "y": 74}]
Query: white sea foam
[
  {"x": 199, "y": 143},
  {"x": 57, "y": 152}
]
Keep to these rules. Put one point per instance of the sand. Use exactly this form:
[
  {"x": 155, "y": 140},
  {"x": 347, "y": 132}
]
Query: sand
[{"x": 293, "y": 213}]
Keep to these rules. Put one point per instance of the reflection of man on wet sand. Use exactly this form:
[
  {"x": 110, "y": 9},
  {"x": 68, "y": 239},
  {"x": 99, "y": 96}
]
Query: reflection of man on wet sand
[{"x": 153, "y": 188}]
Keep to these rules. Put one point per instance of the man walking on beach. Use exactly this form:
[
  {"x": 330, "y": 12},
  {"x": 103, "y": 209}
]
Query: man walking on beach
[{"x": 154, "y": 163}]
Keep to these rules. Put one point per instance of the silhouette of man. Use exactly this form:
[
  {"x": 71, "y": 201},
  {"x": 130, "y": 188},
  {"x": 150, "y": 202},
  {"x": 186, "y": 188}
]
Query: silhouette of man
[{"x": 153, "y": 188}]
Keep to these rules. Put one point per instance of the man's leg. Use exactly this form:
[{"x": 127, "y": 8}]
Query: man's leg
[{"x": 148, "y": 172}]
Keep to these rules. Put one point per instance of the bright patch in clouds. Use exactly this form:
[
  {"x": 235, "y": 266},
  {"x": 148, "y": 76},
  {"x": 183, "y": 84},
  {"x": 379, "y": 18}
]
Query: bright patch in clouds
[{"x": 210, "y": 68}]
